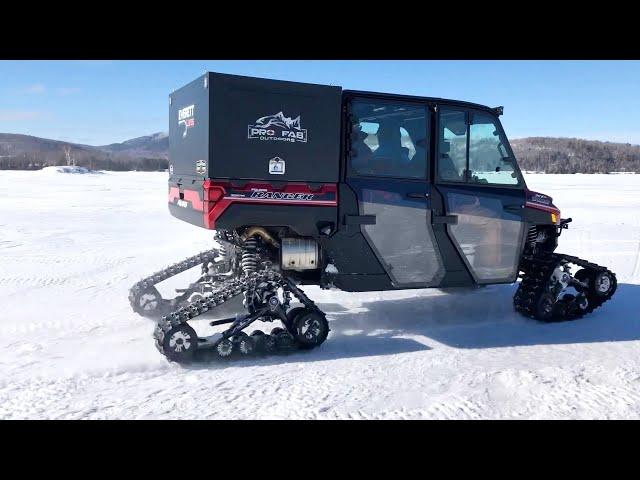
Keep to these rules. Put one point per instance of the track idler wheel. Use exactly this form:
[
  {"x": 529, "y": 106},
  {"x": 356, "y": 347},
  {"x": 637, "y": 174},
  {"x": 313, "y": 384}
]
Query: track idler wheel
[
  {"x": 601, "y": 284},
  {"x": 224, "y": 348},
  {"x": 277, "y": 331},
  {"x": 263, "y": 343},
  {"x": 284, "y": 340},
  {"x": 291, "y": 316},
  {"x": 149, "y": 303},
  {"x": 569, "y": 307},
  {"x": 604, "y": 284},
  {"x": 180, "y": 343},
  {"x": 545, "y": 308},
  {"x": 245, "y": 344},
  {"x": 311, "y": 329}
]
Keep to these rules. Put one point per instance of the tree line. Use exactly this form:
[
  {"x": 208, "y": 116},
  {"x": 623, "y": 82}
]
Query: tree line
[
  {"x": 90, "y": 160},
  {"x": 541, "y": 154},
  {"x": 573, "y": 155}
]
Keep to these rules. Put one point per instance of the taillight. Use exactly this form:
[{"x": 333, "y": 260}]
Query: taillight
[
  {"x": 212, "y": 194},
  {"x": 215, "y": 194}
]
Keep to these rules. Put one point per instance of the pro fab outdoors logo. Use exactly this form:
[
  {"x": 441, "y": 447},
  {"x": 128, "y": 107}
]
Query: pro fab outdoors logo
[
  {"x": 278, "y": 128},
  {"x": 185, "y": 117}
]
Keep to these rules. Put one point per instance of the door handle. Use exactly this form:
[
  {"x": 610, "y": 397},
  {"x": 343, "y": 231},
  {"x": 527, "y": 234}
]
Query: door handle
[
  {"x": 448, "y": 219},
  {"x": 418, "y": 195},
  {"x": 359, "y": 219},
  {"x": 513, "y": 208}
]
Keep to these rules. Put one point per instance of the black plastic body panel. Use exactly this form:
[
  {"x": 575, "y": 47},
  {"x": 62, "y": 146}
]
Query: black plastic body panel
[
  {"x": 305, "y": 221},
  {"x": 347, "y": 248},
  {"x": 363, "y": 283},
  {"x": 241, "y": 123},
  {"x": 536, "y": 217},
  {"x": 186, "y": 199},
  {"x": 187, "y": 214},
  {"x": 189, "y": 129}
]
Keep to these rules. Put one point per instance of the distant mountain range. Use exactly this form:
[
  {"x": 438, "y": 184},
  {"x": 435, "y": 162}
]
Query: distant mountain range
[
  {"x": 25, "y": 152},
  {"x": 151, "y": 152},
  {"x": 156, "y": 144}
]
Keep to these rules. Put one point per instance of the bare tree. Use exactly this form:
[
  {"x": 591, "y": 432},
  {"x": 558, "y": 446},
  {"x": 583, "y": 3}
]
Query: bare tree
[{"x": 70, "y": 159}]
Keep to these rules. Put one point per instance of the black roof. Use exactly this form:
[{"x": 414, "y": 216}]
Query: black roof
[
  {"x": 390, "y": 96},
  {"x": 395, "y": 96}
]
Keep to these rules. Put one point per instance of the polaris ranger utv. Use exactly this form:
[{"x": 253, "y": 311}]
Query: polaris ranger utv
[{"x": 312, "y": 184}]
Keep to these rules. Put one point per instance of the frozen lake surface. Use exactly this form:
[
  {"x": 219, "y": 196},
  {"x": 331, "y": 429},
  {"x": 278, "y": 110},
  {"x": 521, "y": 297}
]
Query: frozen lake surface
[{"x": 70, "y": 346}]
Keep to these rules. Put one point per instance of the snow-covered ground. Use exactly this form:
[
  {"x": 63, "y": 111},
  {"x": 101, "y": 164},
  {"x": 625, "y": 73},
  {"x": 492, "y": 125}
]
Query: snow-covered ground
[
  {"x": 68, "y": 169},
  {"x": 70, "y": 347}
]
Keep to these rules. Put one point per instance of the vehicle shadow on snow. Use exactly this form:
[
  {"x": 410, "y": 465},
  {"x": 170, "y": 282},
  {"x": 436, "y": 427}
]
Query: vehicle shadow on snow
[
  {"x": 340, "y": 344},
  {"x": 337, "y": 346},
  {"x": 485, "y": 318},
  {"x": 459, "y": 318}
]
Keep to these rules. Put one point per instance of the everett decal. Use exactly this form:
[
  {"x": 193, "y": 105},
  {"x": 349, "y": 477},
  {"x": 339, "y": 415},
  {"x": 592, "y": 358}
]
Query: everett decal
[{"x": 186, "y": 118}]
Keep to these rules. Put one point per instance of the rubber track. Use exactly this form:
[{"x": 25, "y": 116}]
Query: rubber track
[
  {"x": 229, "y": 290},
  {"x": 170, "y": 271},
  {"x": 537, "y": 272}
]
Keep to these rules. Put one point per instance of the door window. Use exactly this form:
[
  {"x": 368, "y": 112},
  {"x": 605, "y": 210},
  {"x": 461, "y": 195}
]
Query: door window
[
  {"x": 488, "y": 158},
  {"x": 388, "y": 139},
  {"x": 472, "y": 149},
  {"x": 452, "y": 164}
]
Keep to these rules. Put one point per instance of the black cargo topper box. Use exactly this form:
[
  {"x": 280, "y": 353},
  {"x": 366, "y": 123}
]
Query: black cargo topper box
[{"x": 234, "y": 127}]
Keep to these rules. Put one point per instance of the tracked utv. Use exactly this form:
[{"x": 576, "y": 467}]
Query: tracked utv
[{"x": 360, "y": 191}]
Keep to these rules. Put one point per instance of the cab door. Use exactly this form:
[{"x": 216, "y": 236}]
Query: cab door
[
  {"x": 483, "y": 193},
  {"x": 387, "y": 168}
]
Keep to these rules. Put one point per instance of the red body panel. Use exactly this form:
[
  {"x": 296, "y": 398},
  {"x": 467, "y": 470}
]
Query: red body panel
[
  {"x": 216, "y": 196},
  {"x": 540, "y": 201}
]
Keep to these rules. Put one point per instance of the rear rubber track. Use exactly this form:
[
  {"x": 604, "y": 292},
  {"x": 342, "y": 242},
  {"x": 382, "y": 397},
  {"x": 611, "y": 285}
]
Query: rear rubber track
[
  {"x": 151, "y": 281},
  {"x": 256, "y": 282}
]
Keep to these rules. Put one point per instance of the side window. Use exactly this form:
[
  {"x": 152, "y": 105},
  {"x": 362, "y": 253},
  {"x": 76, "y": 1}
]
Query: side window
[
  {"x": 452, "y": 163},
  {"x": 488, "y": 158},
  {"x": 482, "y": 158},
  {"x": 388, "y": 139}
]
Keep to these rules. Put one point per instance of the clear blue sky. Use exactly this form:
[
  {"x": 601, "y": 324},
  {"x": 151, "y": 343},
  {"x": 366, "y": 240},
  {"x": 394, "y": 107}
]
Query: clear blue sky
[{"x": 100, "y": 102}]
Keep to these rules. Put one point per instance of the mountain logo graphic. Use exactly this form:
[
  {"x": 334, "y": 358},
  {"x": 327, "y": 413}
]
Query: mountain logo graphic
[
  {"x": 277, "y": 127},
  {"x": 279, "y": 120}
]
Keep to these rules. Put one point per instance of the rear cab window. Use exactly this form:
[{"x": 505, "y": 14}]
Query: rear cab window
[{"x": 388, "y": 139}]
